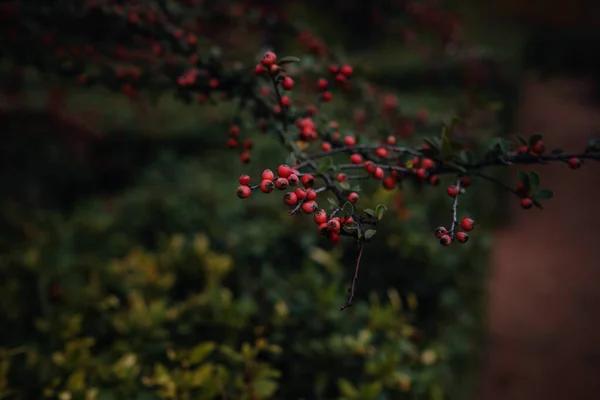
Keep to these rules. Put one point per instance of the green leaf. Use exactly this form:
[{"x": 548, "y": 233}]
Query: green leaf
[
  {"x": 522, "y": 140},
  {"x": 455, "y": 166},
  {"x": 332, "y": 201},
  {"x": 434, "y": 143},
  {"x": 200, "y": 352},
  {"x": 347, "y": 210},
  {"x": 371, "y": 213},
  {"x": 325, "y": 164},
  {"x": 264, "y": 388},
  {"x": 467, "y": 156},
  {"x": 593, "y": 145},
  {"x": 291, "y": 159},
  {"x": 534, "y": 180},
  {"x": 537, "y": 204},
  {"x": 502, "y": 144},
  {"x": 524, "y": 179},
  {"x": 379, "y": 210},
  {"x": 348, "y": 389},
  {"x": 288, "y": 60},
  {"x": 369, "y": 233},
  {"x": 534, "y": 138},
  {"x": 350, "y": 227},
  {"x": 345, "y": 185},
  {"x": 543, "y": 194}
]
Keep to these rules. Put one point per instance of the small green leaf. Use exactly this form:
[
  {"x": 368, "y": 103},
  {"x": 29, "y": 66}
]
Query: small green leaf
[
  {"x": 534, "y": 180},
  {"x": 350, "y": 227},
  {"x": 371, "y": 213},
  {"x": 502, "y": 144},
  {"x": 345, "y": 185},
  {"x": 347, "y": 389},
  {"x": 534, "y": 139},
  {"x": 524, "y": 179},
  {"x": 356, "y": 188},
  {"x": 543, "y": 194},
  {"x": 369, "y": 233},
  {"x": 434, "y": 143},
  {"x": 291, "y": 159},
  {"x": 325, "y": 164},
  {"x": 288, "y": 60},
  {"x": 455, "y": 166},
  {"x": 467, "y": 156},
  {"x": 200, "y": 352},
  {"x": 348, "y": 210},
  {"x": 522, "y": 140},
  {"x": 379, "y": 210},
  {"x": 332, "y": 201},
  {"x": 537, "y": 204}
]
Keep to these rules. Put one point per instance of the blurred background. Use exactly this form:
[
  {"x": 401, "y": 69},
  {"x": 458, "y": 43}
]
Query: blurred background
[{"x": 129, "y": 269}]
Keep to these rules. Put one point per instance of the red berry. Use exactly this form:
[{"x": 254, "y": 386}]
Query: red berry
[
  {"x": 445, "y": 240},
  {"x": 452, "y": 191},
  {"x": 434, "y": 180},
  {"x": 353, "y": 197},
  {"x": 326, "y": 96},
  {"x": 322, "y": 84},
  {"x": 369, "y": 167},
  {"x": 334, "y": 225},
  {"x": 333, "y": 69},
  {"x": 244, "y": 179},
  {"x": 521, "y": 189},
  {"x": 356, "y": 158},
  {"x": 340, "y": 79},
  {"x": 290, "y": 199},
  {"x": 440, "y": 231},
  {"x": 422, "y": 173},
  {"x": 326, "y": 146},
  {"x": 341, "y": 177},
  {"x": 267, "y": 186},
  {"x": 300, "y": 193},
  {"x": 309, "y": 207},
  {"x": 286, "y": 101},
  {"x": 574, "y": 163},
  {"x": 287, "y": 83},
  {"x": 346, "y": 70},
  {"x": 311, "y": 194},
  {"x": 347, "y": 220},
  {"x": 391, "y": 140},
  {"x": 268, "y": 59},
  {"x": 268, "y": 175},
  {"x": 308, "y": 180},
  {"x": 293, "y": 180},
  {"x": 232, "y": 143},
  {"x": 465, "y": 181},
  {"x": 427, "y": 163},
  {"x": 462, "y": 237},
  {"x": 320, "y": 216},
  {"x": 334, "y": 238},
  {"x": 538, "y": 147},
  {"x": 381, "y": 152},
  {"x": 323, "y": 228},
  {"x": 389, "y": 183},
  {"x": 243, "y": 192},
  {"x": 467, "y": 224},
  {"x": 248, "y": 144},
  {"x": 378, "y": 174},
  {"x": 526, "y": 203},
  {"x": 349, "y": 141},
  {"x": 245, "y": 157},
  {"x": 282, "y": 183},
  {"x": 274, "y": 69},
  {"x": 284, "y": 171}
]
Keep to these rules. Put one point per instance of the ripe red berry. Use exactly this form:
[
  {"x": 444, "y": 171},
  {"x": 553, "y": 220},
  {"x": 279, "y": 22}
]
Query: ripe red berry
[
  {"x": 293, "y": 180},
  {"x": 378, "y": 174},
  {"x": 287, "y": 83},
  {"x": 282, "y": 183},
  {"x": 301, "y": 193},
  {"x": 311, "y": 194},
  {"x": 309, "y": 207},
  {"x": 232, "y": 143},
  {"x": 333, "y": 69},
  {"x": 323, "y": 228},
  {"x": 526, "y": 203},
  {"x": 268, "y": 59},
  {"x": 462, "y": 237},
  {"x": 381, "y": 152},
  {"x": 284, "y": 171},
  {"x": 346, "y": 70},
  {"x": 322, "y": 84},
  {"x": 245, "y": 157},
  {"x": 353, "y": 197},
  {"x": 427, "y": 163},
  {"x": 349, "y": 141},
  {"x": 521, "y": 189},
  {"x": 267, "y": 186},
  {"x": 440, "y": 231},
  {"x": 334, "y": 238},
  {"x": 286, "y": 101},
  {"x": 340, "y": 79},
  {"x": 290, "y": 199},
  {"x": 341, "y": 177},
  {"x": 347, "y": 220},
  {"x": 391, "y": 140},
  {"x": 369, "y": 167},
  {"x": 467, "y": 224},
  {"x": 326, "y": 96},
  {"x": 356, "y": 159},
  {"x": 465, "y": 181},
  {"x": 434, "y": 180},
  {"x": 452, "y": 191},
  {"x": 320, "y": 216},
  {"x": 244, "y": 179},
  {"x": 389, "y": 183},
  {"x": 326, "y": 146},
  {"x": 422, "y": 173},
  {"x": 308, "y": 180},
  {"x": 574, "y": 163},
  {"x": 538, "y": 147},
  {"x": 248, "y": 144},
  {"x": 268, "y": 175},
  {"x": 445, "y": 240},
  {"x": 243, "y": 192},
  {"x": 334, "y": 225}
]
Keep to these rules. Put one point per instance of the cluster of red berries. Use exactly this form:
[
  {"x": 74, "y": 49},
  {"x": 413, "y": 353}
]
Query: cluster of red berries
[
  {"x": 234, "y": 142},
  {"x": 447, "y": 237}
]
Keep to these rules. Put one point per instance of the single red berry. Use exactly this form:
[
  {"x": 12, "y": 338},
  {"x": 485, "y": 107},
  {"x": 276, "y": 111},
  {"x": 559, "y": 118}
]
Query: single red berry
[
  {"x": 334, "y": 225},
  {"x": 293, "y": 180},
  {"x": 346, "y": 70},
  {"x": 538, "y": 147},
  {"x": 434, "y": 180},
  {"x": 521, "y": 189},
  {"x": 323, "y": 228},
  {"x": 282, "y": 184},
  {"x": 333, "y": 69},
  {"x": 268, "y": 59},
  {"x": 287, "y": 83},
  {"x": 259, "y": 70},
  {"x": 353, "y": 197},
  {"x": 574, "y": 163},
  {"x": 213, "y": 83},
  {"x": 248, "y": 144},
  {"x": 369, "y": 167},
  {"x": 268, "y": 175},
  {"x": 347, "y": 220},
  {"x": 462, "y": 237},
  {"x": 245, "y": 157},
  {"x": 523, "y": 149},
  {"x": 356, "y": 159},
  {"x": 334, "y": 238},
  {"x": 422, "y": 173},
  {"x": 340, "y": 79},
  {"x": 309, "y": 207},
  {"x": 389, "y": 182},
  {"x": 526, "y": 203},
  {"x": 381, "y": 152},
  {"x": 427, "y": 163},
  {"x": 440, "y": 231},
  {"x": 341, "y": 177},
  {"x": 243, "y": 191},
  {"x": 465, "y": 181},
  {"x": 244, "y": 179},
  {"x": 452, "y": 191},
  {"x": 322, "y": 84},
  {"x": 267, "y": 186},
  {"x": 320, "y": 216},
  {"x": 445, "y": 240},
  {"x": 336, "y": 137},
  {"x": 284, "y": 171},
  {"x": 378, "y": 174},
  {"x": 467, "y": 224},
  {"x": 290, "y": 199},
  {"x": 300, "y": 193},
  {"x": 311, "y": 194},
  {"x": 391, "y": 140},
  {"x": 232, "y": 143},
  {"x": 274, "y": 69},
  {"x": 326, "y": 97},
  {"x": 286, "y": 101},
  {"x": 326, "y": 146},
  {"x": 308, "y": 180},
  {"x": 349, "y": 141}
]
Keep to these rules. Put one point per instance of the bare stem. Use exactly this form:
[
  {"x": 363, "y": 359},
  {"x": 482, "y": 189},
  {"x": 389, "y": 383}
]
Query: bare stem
[{"x": 354, "y": 278}]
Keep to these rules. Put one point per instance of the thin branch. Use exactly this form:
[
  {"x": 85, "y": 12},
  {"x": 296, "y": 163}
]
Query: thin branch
[
  {"x": 354, "y": 278},
  {"x": 455, "y": 210}
]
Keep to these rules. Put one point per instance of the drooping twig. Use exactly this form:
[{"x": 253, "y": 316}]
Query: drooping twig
[
  {"x": 455, "y": 210},
  {"x": 354, "y": 278}
]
